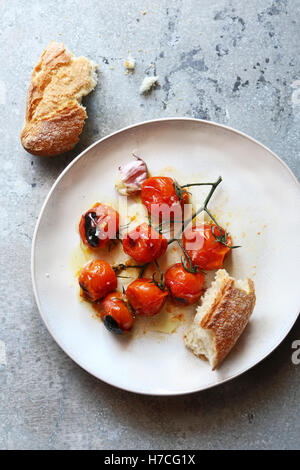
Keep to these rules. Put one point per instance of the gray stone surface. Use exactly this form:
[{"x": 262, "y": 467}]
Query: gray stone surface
[{"x": 228, "y": 61}]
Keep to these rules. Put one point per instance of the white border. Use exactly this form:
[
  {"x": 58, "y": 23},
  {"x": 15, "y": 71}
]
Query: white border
[{"x": 183, "y": 392}]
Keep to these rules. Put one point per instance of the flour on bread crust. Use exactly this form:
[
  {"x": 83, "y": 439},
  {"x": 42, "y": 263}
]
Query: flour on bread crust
[{"x": 54, "y": 114}]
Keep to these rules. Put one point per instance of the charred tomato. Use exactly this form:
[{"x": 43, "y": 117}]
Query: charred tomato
[
  {"x": 164, "y": 198},
  {"x": 184, "y": 286},
  {"x": 202, "y": 244},
  {"x": 118, "y": 315},
  {"x": 144, "y": 244},
  {"x": 99, "y": 225},
  {"x": 146, "y": 298},
  {"x": 96, "y": 280}
]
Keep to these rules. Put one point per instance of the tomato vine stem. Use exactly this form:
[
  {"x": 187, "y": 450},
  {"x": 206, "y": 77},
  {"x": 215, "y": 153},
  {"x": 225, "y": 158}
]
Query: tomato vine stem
[
  {"x": 161, "y": 283},
  {"x": 201, "y": 209},
  {"x": 197, "y": 184},
  {"x": 191, "y": 268},
  {"x": 120, "y": 267},
  {"x": 143, "y": 269}
]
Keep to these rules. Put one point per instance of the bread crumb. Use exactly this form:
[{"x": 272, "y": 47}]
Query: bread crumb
[
  {"x": 148, "y": 84},
  {"x": 129, "y": 63},
  {"x": 144, "y": 13}
]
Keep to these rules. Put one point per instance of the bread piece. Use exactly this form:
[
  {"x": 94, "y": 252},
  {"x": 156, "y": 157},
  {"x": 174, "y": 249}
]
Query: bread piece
[
  {"x": 54, "y": 116},
  {"x": 147, "y": 84},
  {"x": 222, "y": 317},
  {"x": 129, "y": 63}
]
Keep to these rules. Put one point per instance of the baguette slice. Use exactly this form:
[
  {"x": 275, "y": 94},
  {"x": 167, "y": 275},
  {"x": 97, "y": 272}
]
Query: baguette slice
[
  {"x": 54, "y": 116},
  {"x": 222, "y": 317}
]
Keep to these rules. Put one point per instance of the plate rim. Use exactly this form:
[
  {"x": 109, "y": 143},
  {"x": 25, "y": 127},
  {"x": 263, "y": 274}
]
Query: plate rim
[{"x": 33, "y": 246}]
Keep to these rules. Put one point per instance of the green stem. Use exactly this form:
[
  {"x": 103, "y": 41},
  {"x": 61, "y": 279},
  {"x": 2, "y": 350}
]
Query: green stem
[
  {"x": 197, "y": 184},
  {"x": 161, "y": 284},
  {"x": 201, "y": 209},
  {"x": 220, "y": 239},
  {"x": 191, "y": 268},
  {"x": 144, "y": 267},
  {"x": 120, "y": 267},
  {"x": 213, "y": 219},
  {"x": 213, "y": 188},
  {"x": 119, "y": 239}
]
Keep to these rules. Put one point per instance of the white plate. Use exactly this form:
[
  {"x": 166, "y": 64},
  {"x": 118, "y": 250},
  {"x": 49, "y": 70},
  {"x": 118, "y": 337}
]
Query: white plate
[{"x": 259, "y": 197}]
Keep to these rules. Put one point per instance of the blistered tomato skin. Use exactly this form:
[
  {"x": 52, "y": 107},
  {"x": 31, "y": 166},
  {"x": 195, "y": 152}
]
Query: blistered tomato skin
[
  {"x": 144, "y": 244},
  {"x": 204, "y": 250},
  {"x": 184, "y": 287},
  {"x": 145, "y": 297},
  {"x": 99, "y": 225},
  {"x": 159, "y": 196},
  {"x": 96, "y": 280},
  {"x": 112, "y": 325},
  {"x": 117, "y": 316}
]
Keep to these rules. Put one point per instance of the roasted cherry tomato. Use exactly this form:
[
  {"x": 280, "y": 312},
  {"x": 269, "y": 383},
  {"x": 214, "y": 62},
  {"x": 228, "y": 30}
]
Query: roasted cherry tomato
[
  {"x": 167, "y": 196},
  {"x": 184, "y": 286},
  {"x": 118, "y": 316},
  {"x": 144, "y": 244},
  {"x": 99, "y": 225},
  {"x": 146, "y": 297},
  {"x": 96, "y": 280},
  {"x": 201, "y": 244}
]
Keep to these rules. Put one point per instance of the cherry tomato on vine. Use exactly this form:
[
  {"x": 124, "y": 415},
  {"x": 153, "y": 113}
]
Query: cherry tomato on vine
[
  {"x": 96, "y": 280},
  {"x": 146, "y": 297},
  {"x": 184, "y": 286},
  {"x": 202, "y": 245},
  {"x": 144, "y": 244},
  {"x": 118, "y": 315},
  {"x": 99, "y": 225},
  {"x": 167, "y": 195}
]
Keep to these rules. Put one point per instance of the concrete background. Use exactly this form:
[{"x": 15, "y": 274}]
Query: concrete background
[{"x": 228, "y": 61}]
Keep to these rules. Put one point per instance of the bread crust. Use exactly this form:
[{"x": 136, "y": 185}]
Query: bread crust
[
  {"x": 54, "y": 116},
  {"x": 228, "y": 317},
  {"x": 221, "y": 318}
]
